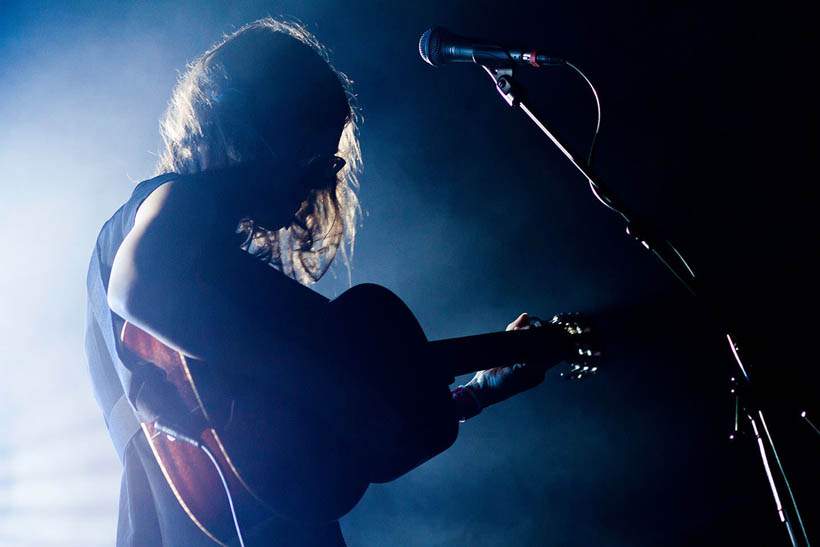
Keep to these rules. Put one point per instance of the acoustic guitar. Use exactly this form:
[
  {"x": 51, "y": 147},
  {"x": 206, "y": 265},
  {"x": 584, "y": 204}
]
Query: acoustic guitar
[{"x": 378, "y": 406}]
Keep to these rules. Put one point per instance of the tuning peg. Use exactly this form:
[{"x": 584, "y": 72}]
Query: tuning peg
[{"x": 577, "y": 371}]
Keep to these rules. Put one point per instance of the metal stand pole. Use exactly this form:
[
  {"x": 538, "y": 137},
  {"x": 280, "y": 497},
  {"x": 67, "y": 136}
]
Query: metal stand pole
[{"x": 652, "y": 240}]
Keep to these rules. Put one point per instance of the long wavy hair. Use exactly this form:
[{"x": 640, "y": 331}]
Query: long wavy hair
[{"x": 213, "y": 120}]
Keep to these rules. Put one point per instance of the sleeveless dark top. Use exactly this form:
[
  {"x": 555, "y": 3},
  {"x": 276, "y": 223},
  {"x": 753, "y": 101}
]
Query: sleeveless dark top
[{"x": 149, "y": 514}]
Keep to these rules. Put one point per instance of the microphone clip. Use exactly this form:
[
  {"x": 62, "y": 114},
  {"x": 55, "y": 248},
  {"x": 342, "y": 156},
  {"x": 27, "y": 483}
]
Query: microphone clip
[{"x": 504, "y": 83}]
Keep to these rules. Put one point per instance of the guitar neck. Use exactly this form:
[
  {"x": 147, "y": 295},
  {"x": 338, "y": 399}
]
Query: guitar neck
[{"x": 484, "y": 351}]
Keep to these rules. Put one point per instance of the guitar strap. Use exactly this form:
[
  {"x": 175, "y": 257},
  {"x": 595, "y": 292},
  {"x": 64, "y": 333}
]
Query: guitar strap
[
  {"x": 122, "y": 424},
  {"x": 121, "y": 421}
]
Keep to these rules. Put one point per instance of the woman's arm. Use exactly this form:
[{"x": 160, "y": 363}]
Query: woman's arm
[{"x": 180, "y": 276}]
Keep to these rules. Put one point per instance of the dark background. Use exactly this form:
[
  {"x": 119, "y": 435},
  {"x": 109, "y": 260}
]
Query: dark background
[{"x": 472, "y": 217}]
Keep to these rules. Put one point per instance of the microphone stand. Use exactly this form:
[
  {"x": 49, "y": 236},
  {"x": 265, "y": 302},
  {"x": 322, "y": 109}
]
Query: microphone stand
[{"x": 651, "y": 238}]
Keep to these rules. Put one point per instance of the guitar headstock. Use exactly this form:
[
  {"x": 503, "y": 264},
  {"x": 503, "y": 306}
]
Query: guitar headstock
[{"x": 585, "y": 356}]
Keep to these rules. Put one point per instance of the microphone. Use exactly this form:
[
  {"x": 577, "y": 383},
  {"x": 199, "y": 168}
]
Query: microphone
[{"x": 438, "y": 46}]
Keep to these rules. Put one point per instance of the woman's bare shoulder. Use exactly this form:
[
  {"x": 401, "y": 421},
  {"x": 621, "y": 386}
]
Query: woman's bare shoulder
[
  {"x": 187, "y": 204},
  {"x": 171, "y": 226}
]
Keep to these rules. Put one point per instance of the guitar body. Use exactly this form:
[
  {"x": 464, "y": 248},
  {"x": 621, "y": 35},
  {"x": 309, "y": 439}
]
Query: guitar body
[{"x": 375, "y": 407}]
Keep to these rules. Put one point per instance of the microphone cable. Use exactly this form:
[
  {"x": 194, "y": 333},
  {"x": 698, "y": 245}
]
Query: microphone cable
[
  {"x": 597, "y": 107},
  {"x": 592, "y": 186}
]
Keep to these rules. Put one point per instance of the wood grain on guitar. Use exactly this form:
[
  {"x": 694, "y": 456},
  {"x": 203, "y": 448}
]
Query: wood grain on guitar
[{"x": 189, "y": 473}]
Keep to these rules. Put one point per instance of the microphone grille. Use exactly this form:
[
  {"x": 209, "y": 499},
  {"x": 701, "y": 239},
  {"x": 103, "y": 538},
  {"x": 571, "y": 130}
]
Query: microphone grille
[{"x": 430, "y": 45}]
